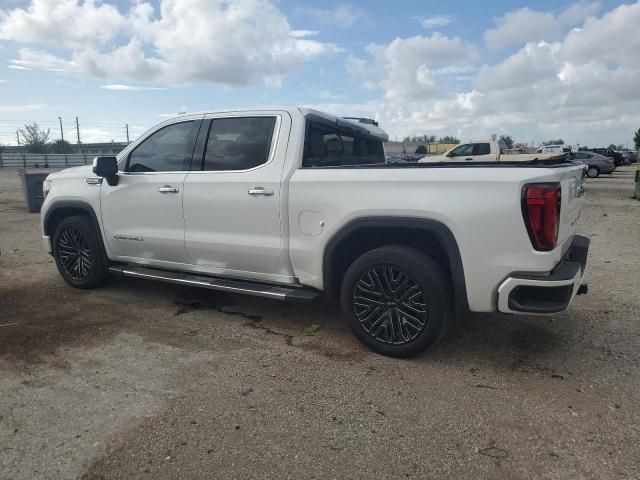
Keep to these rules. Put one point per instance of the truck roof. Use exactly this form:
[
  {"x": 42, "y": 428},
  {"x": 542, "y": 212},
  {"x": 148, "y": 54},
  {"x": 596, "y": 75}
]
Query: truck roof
[{"x": 364, "y": 127}]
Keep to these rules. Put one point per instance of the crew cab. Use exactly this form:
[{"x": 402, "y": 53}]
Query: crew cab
[
  {"x": 487, "y": 151},
  {"x": 293, "y": 203}
]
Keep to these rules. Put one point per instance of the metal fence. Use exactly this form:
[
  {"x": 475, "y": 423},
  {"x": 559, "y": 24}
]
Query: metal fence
[{"x": 34, "y": 160}]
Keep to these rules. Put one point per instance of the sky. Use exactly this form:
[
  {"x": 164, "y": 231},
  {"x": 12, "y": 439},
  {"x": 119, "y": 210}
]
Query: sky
[{"x": 535, "y": 70}]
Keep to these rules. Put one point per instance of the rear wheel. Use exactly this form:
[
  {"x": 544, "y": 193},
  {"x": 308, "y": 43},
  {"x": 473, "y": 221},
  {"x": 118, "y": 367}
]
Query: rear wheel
[
  {"x": 593, "y": 172},
  {"x": 78, "y": 253},
  {"x": 396, "y": 301}
]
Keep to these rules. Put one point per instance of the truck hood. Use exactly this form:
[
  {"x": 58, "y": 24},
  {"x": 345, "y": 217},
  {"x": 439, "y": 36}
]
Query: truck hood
[{"x": 80, "y": 171}]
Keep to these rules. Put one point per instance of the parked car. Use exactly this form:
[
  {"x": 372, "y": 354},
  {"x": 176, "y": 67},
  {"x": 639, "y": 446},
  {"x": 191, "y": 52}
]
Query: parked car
[
  {"x": 629, "y": 156},
  {"x": 596, "y": 164},
  {"x": 293, "y": 203},
  {"x": 553, "y": 149},
  {"x": 489, "y": 151},
  {"x": 618, "y": 159}
]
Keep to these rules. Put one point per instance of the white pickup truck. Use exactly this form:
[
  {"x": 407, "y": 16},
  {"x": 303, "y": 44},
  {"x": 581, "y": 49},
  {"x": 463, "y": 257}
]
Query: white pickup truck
[
  {"x": 488, "y": 151},
  {"x": 288, "y": 204}
]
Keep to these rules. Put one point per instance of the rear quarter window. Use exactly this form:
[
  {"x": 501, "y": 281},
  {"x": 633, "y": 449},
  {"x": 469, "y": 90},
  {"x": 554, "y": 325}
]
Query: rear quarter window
[{"x": 326, "y": 146}]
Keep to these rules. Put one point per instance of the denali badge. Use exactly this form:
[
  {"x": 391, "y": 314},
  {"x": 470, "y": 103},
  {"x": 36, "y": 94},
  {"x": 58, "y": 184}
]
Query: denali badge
[{"x": 128, "y": 237}]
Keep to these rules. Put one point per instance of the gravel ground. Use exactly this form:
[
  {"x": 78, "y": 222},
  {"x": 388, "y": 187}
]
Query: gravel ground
[{"x": 146, "y": 380}]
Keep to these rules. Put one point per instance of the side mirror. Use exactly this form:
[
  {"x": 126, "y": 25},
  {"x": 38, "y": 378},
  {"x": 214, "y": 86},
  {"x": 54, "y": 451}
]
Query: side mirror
[
  {"x": 449, "y": 154},
  {"x": 106, "y": 167}
]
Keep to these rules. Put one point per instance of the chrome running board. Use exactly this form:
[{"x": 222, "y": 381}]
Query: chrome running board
[{"x": 277, "y": 292}]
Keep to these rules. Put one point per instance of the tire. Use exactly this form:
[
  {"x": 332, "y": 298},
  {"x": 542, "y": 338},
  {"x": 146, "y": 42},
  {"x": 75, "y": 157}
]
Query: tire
[
  {"x": 402, "y": 322},
  {"x": 79, "y": 253},
  {"x": 593, "y": 172}
]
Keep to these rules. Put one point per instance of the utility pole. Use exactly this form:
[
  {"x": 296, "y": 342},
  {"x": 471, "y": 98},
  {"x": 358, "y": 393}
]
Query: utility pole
[
  {"x": 127, "y": 127},
  {"x": 61, "y": 132},
  {"x": 18, "y": 136},
  {"x": 77, "y": 130}
]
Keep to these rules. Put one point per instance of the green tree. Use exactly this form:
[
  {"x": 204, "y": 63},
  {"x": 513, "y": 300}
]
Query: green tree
[
  {"x": 559, "y": 141},
  {"x": 35, "y": 139},
  {"x": 449, "y": 139},
  {"x": 60, "y": 146},
  {"x": 636, "y": 139},
  {"x": 421, "y": 150},
  {"x": 507, "y": 140}
]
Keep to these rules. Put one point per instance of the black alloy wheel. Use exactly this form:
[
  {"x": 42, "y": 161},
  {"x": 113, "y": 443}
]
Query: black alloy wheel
[
  {"x": 79, "y": 253},
  {"x": 75, "y": 253},
  {"x": 396, "y": 300},
  {"x": 390, "y": 305}
]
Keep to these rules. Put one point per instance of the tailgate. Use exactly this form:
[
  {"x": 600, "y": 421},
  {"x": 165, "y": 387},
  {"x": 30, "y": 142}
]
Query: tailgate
[{"x": 572, "y": 193}]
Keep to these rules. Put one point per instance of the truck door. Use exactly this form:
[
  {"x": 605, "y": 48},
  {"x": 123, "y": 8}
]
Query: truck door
[
  {"x": 142, "y": 215},
  {"x": 232, "y": 205}
]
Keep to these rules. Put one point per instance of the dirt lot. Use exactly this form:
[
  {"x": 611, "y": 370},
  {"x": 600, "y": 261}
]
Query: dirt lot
[{"x": 145, "y": 380}]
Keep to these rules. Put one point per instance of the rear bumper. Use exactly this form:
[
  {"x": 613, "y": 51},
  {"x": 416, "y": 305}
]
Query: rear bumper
[{"x": 548, "y": 292}]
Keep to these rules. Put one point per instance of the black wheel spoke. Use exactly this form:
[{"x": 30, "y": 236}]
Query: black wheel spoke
[
  {"x": 390, "y": 305},
  {"x": 74, "y": 253}
]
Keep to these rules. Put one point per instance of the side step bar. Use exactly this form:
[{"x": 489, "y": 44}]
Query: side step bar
[{"x": 277, "y": 292}]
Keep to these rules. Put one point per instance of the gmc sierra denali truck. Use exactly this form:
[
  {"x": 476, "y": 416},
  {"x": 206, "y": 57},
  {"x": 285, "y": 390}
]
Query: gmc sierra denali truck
[{"x": 288, "y": 204}]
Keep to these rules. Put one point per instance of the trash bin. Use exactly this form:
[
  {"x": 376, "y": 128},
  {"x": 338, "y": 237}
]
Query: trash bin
[{"x": 32, "y": 187}]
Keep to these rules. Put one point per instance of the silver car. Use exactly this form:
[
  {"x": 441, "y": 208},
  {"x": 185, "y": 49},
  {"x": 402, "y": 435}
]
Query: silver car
[{"x": 596, "y": 163}]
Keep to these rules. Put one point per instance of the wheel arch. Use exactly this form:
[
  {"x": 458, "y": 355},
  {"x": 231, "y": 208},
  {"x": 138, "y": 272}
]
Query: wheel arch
[
  {"x": 61, "y": 209},
  {"x": 365, "y": 233}
]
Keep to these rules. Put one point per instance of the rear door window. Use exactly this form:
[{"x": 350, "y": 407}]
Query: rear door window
[
  {"x": 238, "y": 143},
  {"x": 481, "y": 149}
]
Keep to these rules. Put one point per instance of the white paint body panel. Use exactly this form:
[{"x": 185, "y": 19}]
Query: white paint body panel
[
  {"x": 214, "y": 226},
  {"x": 229, "y": 231},
  {"x": 139, "y": 221}
]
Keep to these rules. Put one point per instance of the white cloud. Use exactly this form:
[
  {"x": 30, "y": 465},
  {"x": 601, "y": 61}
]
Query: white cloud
[
  {"x": 182, "y": 41},
  {"x": 581, "y": 87},
  {"x": 127, "y": 88},
  {"x": 303, "y": 33},
  {"x": 39, "y": 60},
  {"x": 408, "y": 68},
  {"x": 29, "y": 107},
  {"x": 18, "y": 67},
  {"x": 526, "y": 25},
  {"x": 435, "y": 21},
  {"x": 68, "y": 23},
  {"x": 343, "y": 16}
]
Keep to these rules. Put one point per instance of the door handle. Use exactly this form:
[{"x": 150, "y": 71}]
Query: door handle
[
  {"x": 468, "y": 159},
  {"x": 260, "y": 191},
  {"x": 168, "y": 189}
]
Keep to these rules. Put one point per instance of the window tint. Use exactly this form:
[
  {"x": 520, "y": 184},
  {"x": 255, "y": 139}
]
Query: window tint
[
  {"x": 326, "y": 146},
  {"x": 481, "y": 149},
  {"x": 462, "y": 151},
  {"x": 238, "y": 143},
  {"x": 167, "y": 150}
]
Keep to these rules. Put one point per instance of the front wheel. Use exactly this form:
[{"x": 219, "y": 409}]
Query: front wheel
[
  {"x": 396, "y": 300},
  {"x": 593, "y": 172},
  {"x": 78, "y": 253}
]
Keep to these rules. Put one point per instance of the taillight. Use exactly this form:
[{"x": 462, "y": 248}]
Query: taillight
[
  {"x": 608, "y": 161},
  {"x": 541, "y": 211}
]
